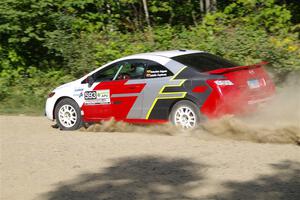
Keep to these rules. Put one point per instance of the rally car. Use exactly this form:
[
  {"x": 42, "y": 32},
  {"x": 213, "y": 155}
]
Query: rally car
[{"x": 181, "y": 86}]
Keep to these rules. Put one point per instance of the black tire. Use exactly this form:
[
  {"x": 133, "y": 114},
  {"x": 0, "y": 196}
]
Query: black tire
[
  {"x": 63, "y": 125},
  {"x": 174, "y": 114}
]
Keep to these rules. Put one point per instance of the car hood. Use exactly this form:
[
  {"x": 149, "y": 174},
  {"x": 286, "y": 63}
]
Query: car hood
[{"x": 67, "y": 85}]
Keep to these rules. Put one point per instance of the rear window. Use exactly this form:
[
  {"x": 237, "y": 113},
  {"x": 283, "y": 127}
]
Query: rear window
[{"x": 204, "y": 62}]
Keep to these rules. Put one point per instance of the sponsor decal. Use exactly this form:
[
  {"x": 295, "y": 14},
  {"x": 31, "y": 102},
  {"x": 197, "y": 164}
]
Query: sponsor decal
[
  {"x": 90, "y": 95},
  {"x": 78, "y": 94},
  {"x": 156, "y": 73},
  {"x": 78, "y": 90},
  {"x": 97, "y": 97}
]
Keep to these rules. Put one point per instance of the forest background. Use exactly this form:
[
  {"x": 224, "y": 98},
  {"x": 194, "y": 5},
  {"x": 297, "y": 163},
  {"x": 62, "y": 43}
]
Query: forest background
[{"x": 45, "y": 43}]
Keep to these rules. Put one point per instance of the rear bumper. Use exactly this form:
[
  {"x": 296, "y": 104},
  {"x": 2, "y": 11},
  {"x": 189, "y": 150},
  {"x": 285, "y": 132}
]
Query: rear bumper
[
  {"x": 235, "y": 106},
  {"x": 259, "y": 101}
]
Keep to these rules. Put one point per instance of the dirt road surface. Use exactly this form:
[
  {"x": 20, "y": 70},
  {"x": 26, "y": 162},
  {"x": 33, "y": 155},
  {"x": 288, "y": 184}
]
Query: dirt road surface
[{"x": 39, "y": 162}]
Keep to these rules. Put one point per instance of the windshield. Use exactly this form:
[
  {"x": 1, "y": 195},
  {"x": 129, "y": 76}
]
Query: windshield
[{"x": 204, "y": 62}]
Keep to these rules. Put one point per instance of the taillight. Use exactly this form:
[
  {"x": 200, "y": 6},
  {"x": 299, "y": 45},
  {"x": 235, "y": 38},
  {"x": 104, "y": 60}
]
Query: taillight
[
  {"x": 51, "y": 94},
  {"x": 223, "y": 82},
  {"x": 221, "y": 86}
]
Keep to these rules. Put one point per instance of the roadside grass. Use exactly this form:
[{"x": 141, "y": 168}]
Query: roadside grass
[
  {"x": 21, "y": 111},
  {"x": 32, "y": 106}
]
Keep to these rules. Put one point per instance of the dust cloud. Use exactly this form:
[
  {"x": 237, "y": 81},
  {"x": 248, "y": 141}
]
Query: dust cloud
[
  {"x": 277, "y": 121},
  {"x": 119, "y": 126}
]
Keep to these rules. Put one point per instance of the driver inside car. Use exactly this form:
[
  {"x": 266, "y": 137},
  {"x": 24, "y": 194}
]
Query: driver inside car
[
  {"x": 134, "y": 71},
  {"x": 137, "y": 71}
]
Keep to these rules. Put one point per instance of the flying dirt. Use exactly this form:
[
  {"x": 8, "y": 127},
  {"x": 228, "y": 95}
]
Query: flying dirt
[{"x": 277, "y": 121}]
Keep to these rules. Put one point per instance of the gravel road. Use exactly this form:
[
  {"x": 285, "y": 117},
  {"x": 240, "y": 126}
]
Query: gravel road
[{"x": 40, "y": 162}]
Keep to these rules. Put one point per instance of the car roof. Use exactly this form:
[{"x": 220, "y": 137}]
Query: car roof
[
  {"x": 171, "y": 53},
  {"x": 161, "y": 57}
]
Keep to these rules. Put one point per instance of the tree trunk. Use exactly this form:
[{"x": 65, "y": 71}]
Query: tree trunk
[
  {"x": 201, "y": 5},
  {"x": 213, "y": 5},
  {"x": 207, "y": 6},
  {"x": 146, "y": 13}
]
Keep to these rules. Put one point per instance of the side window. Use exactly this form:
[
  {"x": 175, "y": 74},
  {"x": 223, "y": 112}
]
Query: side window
[
  {"x": 132, "y": 69},
  {"x": 107, "y": 73},
  {"x": 155, "y": 70}
]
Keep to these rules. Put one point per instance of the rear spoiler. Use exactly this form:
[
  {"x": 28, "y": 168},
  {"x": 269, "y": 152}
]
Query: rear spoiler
[{"x": 231, "y": 69}]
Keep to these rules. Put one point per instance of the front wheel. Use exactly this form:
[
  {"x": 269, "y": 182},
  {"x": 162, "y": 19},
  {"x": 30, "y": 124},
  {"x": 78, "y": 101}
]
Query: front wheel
[
  {"x": 68, "y": 115},
  {"x": 185, "y": 114}
]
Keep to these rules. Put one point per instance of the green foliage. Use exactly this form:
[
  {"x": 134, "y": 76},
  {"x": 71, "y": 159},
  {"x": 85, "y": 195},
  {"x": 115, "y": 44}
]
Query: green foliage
[
  {"x": 239, "y": 43},
  {"x": 26, "y": 90},
  {"x": 259, "y": 13},
  {"x": 46, "y": 43}
]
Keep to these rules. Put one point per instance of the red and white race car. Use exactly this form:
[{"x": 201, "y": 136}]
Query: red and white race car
[{"x": 181, "y": 86}]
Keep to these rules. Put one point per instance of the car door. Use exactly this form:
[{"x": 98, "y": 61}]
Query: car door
[
  {"x": 97, "y": 103},
  {"x": 156, "y": 103},
  {"x": 115, "y": 91}
]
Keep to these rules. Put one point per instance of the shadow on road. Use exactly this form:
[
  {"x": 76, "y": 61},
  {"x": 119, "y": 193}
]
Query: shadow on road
[
  {"x": 283, "y": 184},
  {"x": 134, "y": 179},
  {"x": 159, "y": 178}
]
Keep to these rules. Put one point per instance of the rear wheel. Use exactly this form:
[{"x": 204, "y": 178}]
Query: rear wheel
[
  {"x": 185, "y": 114},
  {"x": 68, "y": 115}
]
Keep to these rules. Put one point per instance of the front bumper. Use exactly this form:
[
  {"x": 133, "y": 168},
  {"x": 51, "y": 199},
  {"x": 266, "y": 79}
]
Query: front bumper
[{"x": 49, "y": 108}]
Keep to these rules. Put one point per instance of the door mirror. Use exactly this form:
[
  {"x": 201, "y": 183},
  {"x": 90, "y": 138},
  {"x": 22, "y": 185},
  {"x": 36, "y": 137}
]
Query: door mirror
[{"x": 90, "y": 80}]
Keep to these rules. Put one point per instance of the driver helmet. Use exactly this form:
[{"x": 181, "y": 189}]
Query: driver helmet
[{"x": 140, "y": 69}]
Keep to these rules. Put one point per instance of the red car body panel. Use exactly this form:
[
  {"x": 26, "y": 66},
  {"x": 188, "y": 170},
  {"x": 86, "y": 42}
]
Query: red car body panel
[
  {"x": 115, "y": 109},
  {"x": 238, "y": 98}
]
